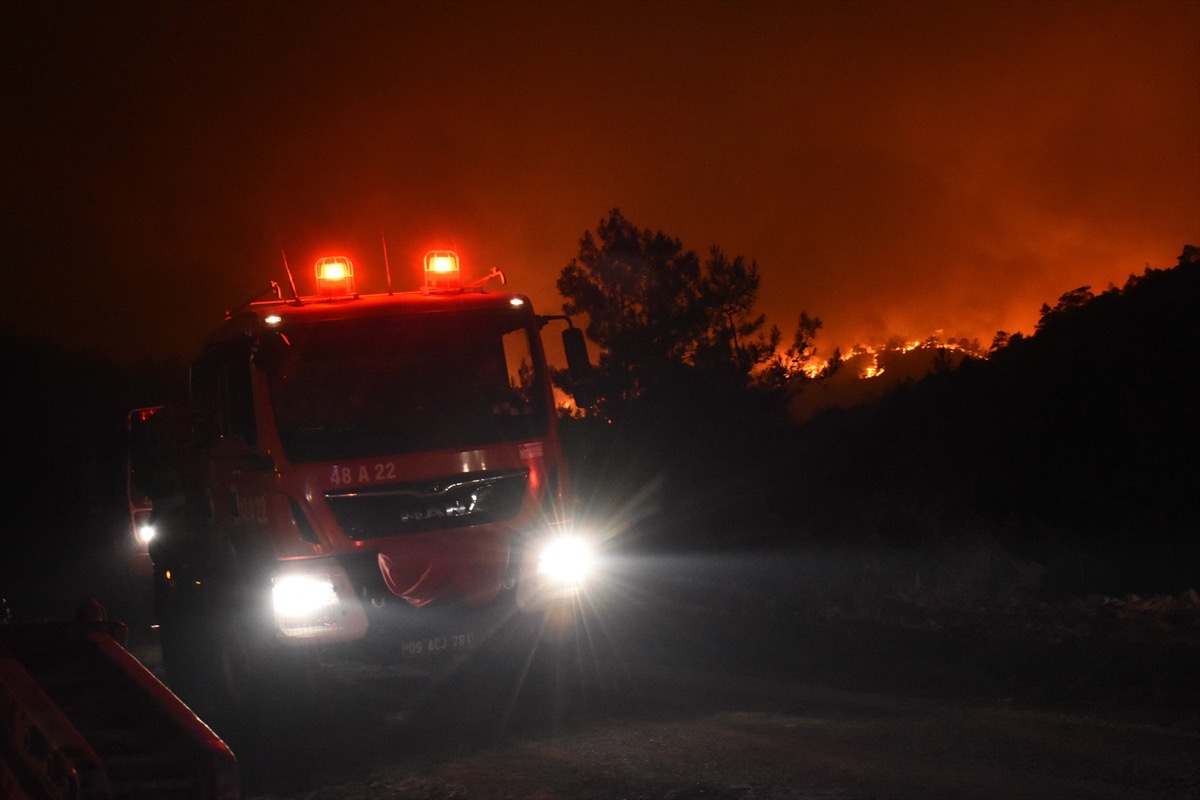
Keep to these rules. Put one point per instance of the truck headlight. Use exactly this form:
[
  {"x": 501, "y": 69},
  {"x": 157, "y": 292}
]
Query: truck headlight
[
  {"x": 565, "y": 560},
  {"x": 303, "y": 596},
  {"x": 314, "y": 599}
]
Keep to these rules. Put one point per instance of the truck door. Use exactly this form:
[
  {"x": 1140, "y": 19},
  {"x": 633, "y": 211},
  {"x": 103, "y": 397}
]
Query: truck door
[{"x": 238, "y": 479}]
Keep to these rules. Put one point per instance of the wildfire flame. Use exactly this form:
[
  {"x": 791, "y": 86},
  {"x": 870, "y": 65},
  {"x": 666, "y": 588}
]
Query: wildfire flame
[
  {"x": 869, "y": 360},
  {"x": 850, "y": 379}
]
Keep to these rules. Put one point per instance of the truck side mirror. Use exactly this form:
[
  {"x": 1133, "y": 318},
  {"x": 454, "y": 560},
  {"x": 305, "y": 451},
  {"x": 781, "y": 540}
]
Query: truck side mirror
[
  {"x": 574, "y": 345},
  {"x": 579, "y": 367},
  {"x": 152, "y": 464}
]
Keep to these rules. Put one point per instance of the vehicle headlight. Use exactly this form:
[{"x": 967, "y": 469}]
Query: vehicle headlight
[
  {"x": 303, "y": 596},
  {"x": 565, "y": 560},
  {"x": 315, "y": 600}
]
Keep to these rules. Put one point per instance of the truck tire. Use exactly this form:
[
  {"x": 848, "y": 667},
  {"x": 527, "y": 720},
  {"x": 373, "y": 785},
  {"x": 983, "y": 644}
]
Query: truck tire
[{"x": 226, "y": 665}]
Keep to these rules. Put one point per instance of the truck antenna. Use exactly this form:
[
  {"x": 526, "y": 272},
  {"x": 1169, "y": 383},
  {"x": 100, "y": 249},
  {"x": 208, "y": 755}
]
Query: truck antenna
[
  {"x": 387, "y": 270},
  {"x": 287, "y": 269}
]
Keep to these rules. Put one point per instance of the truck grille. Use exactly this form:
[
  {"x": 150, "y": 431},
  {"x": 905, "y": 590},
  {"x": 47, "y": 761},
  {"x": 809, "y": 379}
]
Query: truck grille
[{"x": 451, "y": 502}]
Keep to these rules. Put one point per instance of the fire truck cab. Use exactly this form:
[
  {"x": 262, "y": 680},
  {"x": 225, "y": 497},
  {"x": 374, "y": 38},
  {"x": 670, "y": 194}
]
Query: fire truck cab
[{"x": 382, "y": 468}]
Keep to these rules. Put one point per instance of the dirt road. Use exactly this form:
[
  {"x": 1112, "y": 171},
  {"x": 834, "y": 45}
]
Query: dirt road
[
  {"x": 710, "y": 735},
  {"x": 712, "y": 687}
]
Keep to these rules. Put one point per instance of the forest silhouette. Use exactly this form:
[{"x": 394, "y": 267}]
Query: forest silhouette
[{"x": 1071, "y": 453}]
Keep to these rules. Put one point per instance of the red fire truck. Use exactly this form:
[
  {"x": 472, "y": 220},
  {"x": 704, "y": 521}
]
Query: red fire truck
[{"x": 380, "y": 468}]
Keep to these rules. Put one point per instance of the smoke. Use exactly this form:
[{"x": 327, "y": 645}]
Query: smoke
[{"x": 893, "y": 168}]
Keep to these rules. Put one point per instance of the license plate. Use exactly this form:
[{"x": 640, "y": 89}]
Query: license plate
[{"x": 436, "y": 645}]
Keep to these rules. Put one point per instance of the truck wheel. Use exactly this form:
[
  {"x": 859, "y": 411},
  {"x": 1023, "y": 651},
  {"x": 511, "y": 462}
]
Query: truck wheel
[
  {"x": 187, "y": 650},
  {"x": 558, "y": 624},
  {"x": 259, "y": 681},
  {"x": 554, "y": 685},
  {"x": 228, "y": 669}
]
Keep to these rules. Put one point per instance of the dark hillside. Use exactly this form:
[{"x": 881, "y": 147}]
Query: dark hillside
[{"x": 1077, "y": 447}]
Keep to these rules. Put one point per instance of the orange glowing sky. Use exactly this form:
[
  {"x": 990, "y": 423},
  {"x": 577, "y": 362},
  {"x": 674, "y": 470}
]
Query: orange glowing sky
[{"x": 895, "y": 168}]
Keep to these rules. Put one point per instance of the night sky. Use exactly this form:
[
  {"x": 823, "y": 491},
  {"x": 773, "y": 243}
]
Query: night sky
[{"x": 895, "y": 168}]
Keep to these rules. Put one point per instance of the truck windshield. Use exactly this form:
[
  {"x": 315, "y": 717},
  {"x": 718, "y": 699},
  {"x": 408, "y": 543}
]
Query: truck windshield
[{"x": 374, "y": 386}]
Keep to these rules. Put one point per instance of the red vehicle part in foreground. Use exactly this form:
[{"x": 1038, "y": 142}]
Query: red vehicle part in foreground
[{"x": 81, "y": 717}]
